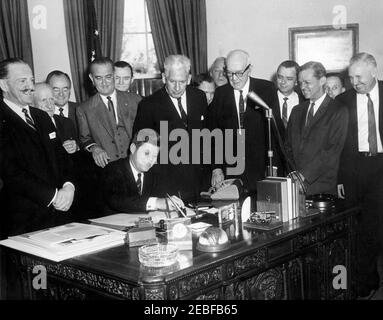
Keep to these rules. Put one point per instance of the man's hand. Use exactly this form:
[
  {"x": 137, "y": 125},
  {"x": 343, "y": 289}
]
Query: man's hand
[
  {"x": 217, "y": 177},
  {"x": 64, "y": 198},
  {"x": 100, "y": 156},
  {"x": 166, "y": 204},
  {"x": 70, "y": 146},
  {"x": 341, "y": 194}
]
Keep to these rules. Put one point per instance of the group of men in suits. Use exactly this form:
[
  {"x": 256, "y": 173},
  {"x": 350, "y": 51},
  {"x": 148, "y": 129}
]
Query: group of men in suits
[{"x": 334, "y": 145}]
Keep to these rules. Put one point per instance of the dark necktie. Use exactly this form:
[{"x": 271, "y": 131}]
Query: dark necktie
[
  {"x": 310, "y": 115},
  {"x": 372, "y": 139},
  {"x": 139, "y": 183},
  {"x": 28, "y": 118},
  {"x": 284, "y": 111},
  {"x": 111, "y": 107},
  {"x": 241, "y": 109},
  {"x": 183, "y": 113},
  {"x": 61, "y": 114}
]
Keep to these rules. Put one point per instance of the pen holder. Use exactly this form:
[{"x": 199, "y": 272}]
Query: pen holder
[{"x": 179, "y": 233}]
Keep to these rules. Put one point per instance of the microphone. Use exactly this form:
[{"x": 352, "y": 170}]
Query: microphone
[{"x": 256, "y": 98}]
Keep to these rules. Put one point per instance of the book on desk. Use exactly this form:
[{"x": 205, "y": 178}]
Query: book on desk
[{"x": 66, "y": 241}]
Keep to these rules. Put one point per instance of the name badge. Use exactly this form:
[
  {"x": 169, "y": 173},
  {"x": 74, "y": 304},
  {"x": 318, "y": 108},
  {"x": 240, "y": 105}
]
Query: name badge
[{"x": 52, "y": 135}]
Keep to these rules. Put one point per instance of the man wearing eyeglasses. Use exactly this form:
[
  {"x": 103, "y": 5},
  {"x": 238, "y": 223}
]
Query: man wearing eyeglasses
[
  {"x": 231, "y": 110},
  {"x": 106, "y": 119}
]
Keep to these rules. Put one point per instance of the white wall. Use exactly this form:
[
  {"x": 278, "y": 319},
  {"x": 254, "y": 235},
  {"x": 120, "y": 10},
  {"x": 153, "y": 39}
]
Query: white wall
[
  {"x": 49, "y": 42},
  {"x": 261, "y": 27}
]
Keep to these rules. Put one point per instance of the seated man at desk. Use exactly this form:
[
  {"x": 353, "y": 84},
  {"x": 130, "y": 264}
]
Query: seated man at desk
[{"x": 130, "y": 186}]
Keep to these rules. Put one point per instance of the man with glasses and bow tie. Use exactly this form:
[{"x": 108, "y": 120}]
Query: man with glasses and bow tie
[
  {"x": 230, "y": 109},
  {"x": 360, "y": 174},
  {"x": 36, "y": 170},
  {"x": 106, "y": 120},
  {"x": 316, "y": 132},
  {"x": 176, "y": 105}
]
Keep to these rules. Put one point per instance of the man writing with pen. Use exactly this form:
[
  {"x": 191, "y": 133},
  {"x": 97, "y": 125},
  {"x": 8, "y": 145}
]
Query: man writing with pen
[{"x": 130, "y": 185}]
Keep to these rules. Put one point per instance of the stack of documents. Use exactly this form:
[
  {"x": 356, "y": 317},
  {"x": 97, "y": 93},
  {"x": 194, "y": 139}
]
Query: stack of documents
[{"x": 66, "y": 241}]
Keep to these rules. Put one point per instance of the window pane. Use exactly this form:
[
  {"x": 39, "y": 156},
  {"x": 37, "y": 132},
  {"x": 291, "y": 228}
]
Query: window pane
[
  {"x": 134, "y": 16},
  {"x": 135, "y": 51}
]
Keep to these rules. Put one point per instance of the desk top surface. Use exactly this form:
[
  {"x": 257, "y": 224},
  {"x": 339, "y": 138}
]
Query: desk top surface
[{"x": 122, "y": 262}]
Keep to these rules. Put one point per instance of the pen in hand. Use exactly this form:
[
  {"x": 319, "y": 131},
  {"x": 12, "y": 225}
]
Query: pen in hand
[{"x": 176, "y": 205}]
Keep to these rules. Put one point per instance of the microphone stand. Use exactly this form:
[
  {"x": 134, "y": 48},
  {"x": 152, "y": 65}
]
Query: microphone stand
[{"x": 270, "y": 154}]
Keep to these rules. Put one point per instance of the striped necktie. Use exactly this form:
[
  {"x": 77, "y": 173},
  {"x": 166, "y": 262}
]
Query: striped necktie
[{"x": 28, "y": 119}]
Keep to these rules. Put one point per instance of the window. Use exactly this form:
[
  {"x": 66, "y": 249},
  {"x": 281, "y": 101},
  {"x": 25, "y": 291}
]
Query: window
[{"x": 137, "y": 42}]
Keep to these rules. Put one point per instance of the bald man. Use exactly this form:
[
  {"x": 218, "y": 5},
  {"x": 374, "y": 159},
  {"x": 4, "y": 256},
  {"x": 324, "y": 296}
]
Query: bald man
[
  {"x": 217, "y": 71},
  {"x": 43, "y": 99},
  {"x": 231, "y": 110}
]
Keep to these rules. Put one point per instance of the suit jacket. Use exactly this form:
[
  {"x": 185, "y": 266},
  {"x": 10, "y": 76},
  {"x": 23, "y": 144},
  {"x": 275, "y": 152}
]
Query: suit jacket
[
  {"x": 277, "y": 113},
  {"x": 95, "y": 126},
  {"x": 65, "y": 128},
  {"x": 72, "y": 106},
  {"x": 349, "y": 165},
  {"x": 279, "y": 158},
  {"x": 34, "y": 165},
  {"x": 120, "y": 189},
  {"x": 223, "y": 115},
  {"x": 183, "y": 178},
  {"x": 315, "y": 150}
]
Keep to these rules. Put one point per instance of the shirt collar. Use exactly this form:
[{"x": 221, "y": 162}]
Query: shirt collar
[
  {"x": 16, "y": 108},
  {"x": 135, "y": 171},
  {"x": 290, "y": 96},
  {"x": 374, "y": 92},
  {"x": 319, "y": 101},
  {"x": 112, "y": 95},
  {"x": 245, "y": 89}
]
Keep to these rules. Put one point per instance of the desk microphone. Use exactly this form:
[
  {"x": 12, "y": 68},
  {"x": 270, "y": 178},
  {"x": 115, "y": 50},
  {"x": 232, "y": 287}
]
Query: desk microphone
[{"x": 257, "y": 99}]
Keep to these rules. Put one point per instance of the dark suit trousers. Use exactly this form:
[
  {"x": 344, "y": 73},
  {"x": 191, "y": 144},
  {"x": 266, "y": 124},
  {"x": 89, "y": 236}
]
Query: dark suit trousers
[{"x": 366, "y": 190}]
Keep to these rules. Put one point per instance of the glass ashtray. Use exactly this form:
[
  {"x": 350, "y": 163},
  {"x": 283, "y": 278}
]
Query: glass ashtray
[{"x": 158, "y": 255}]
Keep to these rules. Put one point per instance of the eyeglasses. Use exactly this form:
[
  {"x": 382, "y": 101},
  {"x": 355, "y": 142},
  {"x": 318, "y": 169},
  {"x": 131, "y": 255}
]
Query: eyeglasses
[{"x": 238, "y": 74}]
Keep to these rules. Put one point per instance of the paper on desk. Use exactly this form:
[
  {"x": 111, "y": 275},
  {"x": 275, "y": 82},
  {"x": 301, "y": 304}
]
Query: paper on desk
[{"x": 129, "y": 219}]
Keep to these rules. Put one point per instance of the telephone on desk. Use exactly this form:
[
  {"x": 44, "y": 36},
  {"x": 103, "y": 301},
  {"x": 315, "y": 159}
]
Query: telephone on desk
[{"x": 228, "y": 189}]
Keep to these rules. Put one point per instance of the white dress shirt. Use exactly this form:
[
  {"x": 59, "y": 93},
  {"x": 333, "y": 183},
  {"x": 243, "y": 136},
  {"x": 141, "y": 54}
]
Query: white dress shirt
[
  {"x": 65, "y": 110},
  {"x": 245, "y": 91},
  {"x": 151, "y": 204},
  {"x": 292, "y": 101},
  {"x": 317, "y": 104},
  {"x": 17, "y": 109},
  {"x": 104, "y": 99},
  {"x": 183, "y": 102}
]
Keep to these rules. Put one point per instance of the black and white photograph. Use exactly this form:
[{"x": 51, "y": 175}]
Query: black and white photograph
[{"x": 202, "y": 153}]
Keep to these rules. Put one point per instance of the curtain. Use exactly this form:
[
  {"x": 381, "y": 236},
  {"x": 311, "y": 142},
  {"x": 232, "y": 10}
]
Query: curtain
[
  {"x": 179, "y": 27},
  {"x": 83, "y": 43},
  {"x": 110, "y": 21},
  {"x": 15, "y": 36}
]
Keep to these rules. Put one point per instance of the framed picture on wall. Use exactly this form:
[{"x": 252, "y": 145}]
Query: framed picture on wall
[{"x": 331, "y": 46}]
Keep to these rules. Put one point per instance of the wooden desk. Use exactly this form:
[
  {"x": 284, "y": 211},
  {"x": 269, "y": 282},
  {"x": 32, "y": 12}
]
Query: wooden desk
[{"x": 293, "y": 262}]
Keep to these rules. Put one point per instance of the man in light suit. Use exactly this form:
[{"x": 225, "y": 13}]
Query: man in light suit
[
  {"x": 316, "y": 132},
  {"x": 179, "y": 106},
  {"x": 106, "y": 119},
  {"x": 230, "y": 109},
  {"x": 61, "y": 85},
  {"x": 361, "y": 170},
  {"x": 36, "y": 170}
]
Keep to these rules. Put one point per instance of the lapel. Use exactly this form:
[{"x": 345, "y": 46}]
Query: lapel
[
  {"x": 233, "y": 107},
  {"x": 173, "y": 113},
  {"x": 59, "y": 127},
  {"x": 123, "y": 110},
  {"x": 318, "y": 114},
  {"x": 17, "y": 122},
  {"x": 131, "y": 181},
  {"x": 103, "y": 115}
]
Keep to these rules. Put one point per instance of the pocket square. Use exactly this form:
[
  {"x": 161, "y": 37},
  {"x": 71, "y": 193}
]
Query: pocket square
[
  {"x": 52, "y": 135},
  {"x": 202, "y": 118}
]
